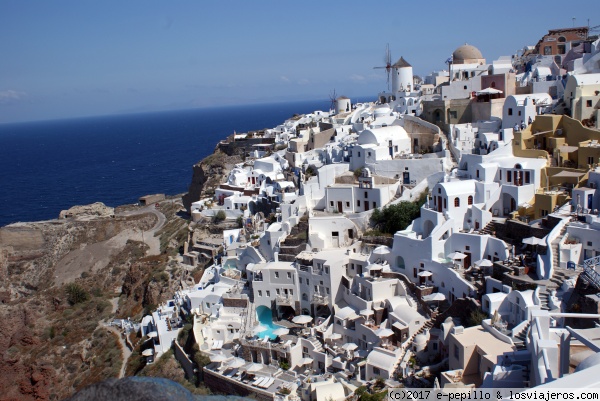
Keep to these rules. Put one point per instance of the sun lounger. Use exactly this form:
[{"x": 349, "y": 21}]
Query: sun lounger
[
  {"x": 268, "y": 383},
  {"x": 266, "y": 339},
  {"x": 257, "y": 380}
]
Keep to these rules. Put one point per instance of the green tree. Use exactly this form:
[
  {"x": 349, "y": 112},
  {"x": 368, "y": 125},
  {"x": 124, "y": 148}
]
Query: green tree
[
  {"x": 476, "y": 317},
  {"x": 220, "y": 216}
]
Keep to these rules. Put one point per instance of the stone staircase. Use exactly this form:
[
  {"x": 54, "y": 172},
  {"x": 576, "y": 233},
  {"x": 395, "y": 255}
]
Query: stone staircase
[
  {"x": 490, "y": 228},
  {"x": 519, "y": 338},
  {"x": 554, "y": 245},
  {"x": 316, "y": 344}
]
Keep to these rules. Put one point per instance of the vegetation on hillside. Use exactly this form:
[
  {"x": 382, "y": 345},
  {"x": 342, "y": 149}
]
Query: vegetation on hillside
[{"x": 397, "y": 217}]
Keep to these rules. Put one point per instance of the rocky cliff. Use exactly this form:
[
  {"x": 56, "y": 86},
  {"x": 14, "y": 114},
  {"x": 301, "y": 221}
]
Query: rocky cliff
[{"x": 208, "y": 174}]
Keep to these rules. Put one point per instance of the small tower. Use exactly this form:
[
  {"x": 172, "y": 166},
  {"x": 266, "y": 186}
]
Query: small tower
[
  {"x": 402, "y": 76},
  {"x": 342, "y": 105}
]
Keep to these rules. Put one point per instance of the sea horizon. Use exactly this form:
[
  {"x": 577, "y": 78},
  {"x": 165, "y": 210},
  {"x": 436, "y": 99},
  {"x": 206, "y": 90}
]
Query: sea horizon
[{"x": 51, "y": 165}]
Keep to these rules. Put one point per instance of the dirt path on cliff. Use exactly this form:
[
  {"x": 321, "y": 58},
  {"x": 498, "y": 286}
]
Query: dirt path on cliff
[{"x": 96, "y": 256}]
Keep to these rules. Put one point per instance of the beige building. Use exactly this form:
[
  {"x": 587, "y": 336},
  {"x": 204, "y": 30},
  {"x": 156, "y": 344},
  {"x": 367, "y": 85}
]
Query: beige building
[{"x": 472, "y": 352}]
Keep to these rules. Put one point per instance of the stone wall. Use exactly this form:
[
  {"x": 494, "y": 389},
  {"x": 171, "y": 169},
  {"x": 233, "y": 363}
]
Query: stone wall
[{"x": 186, "y": 363}]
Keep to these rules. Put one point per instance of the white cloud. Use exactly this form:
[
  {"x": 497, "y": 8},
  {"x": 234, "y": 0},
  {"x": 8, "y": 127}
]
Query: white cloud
[
  {"x": 9, "y": 96},
  {"x": 284, "y": 78}
]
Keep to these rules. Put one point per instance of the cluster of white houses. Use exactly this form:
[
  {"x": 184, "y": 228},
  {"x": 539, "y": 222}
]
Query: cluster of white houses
[{"x": 508, "y": 153}]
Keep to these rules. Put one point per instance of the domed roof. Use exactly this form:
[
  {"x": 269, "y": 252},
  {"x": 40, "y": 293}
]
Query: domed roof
[{"x": 466, "y": 52}]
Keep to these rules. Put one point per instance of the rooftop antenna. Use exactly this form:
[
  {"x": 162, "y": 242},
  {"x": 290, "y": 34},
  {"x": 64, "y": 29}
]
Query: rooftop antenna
[
  {"x": 388, "y": 64},
  {"x": 573, "y": 22}
]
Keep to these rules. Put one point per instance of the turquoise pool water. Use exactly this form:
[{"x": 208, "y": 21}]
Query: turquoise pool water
[
  {"x": 265, "y": 319},
  {"x": 229, "y": 264}
]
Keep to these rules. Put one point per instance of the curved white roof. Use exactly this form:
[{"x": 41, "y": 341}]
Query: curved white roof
[
  {"x": 381, "y": 360},
  {"x": 458, "y": 187},
  {"x": 586, "y": 79},
  {"x": 407, "y": 314},
  {"x": 380, "y": 136}
]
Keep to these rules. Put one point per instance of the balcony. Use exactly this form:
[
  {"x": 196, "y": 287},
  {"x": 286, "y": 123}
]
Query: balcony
[
  {"x": 320, "y": 299},
  {"x": 286, "y": 300}
]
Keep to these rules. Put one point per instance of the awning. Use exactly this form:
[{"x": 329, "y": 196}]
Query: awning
[
  {"x": 567, "y": 149},
  {"x": 436, "y": 296},
  {"x": 425, "y": 274},
  {"x": 488, "y": 91},
  {"x": 457, "y": 255}
]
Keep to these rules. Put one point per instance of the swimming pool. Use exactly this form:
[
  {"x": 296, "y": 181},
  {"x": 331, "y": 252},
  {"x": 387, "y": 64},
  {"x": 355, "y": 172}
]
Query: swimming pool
[{"x": 265, "y": 319}]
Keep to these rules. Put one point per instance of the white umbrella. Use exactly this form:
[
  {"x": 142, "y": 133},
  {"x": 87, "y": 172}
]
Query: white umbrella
[
  {"x": 381, "y": 250},
  {"x": 218, "y": 358},
  {"x": 148, "y": 352},
  {"x": 436, "y": 296},
  {"x": 349, "y": 346},
  {"x": 456, "y": 255},
  {"x": 425, "y": 274},
  {"x": 484, "y": 263},
  {"x": 302, "y": 319},
  {"x": 384, "y": 332},
  {"x": 282, "y": 331},
  {"x": 335, "y": 336}
]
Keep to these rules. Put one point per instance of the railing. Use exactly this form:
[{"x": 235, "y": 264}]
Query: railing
[{"x": 590, "y": 273}]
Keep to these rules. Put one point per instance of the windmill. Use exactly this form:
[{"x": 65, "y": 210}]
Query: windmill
[
  {"x": 388, "y": 64},
  {"x": 332, "y": 98}
]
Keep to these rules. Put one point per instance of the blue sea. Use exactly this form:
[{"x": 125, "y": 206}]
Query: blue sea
[{"x": 49, "y": 166}]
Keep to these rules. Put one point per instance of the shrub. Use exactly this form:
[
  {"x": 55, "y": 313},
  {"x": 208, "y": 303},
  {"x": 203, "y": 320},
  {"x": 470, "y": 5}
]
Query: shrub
[
  {"x": 220, "y": 216},
  {"x": 76, "y": 294}
]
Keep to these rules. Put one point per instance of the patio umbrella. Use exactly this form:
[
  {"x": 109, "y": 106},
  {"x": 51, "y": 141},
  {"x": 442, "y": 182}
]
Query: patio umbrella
[
  {"x": 425, "y": 274},
  {"x": 349, "y": 346},
  {"x": 484, "y": 263},
  {"x": 384, "y": 332},
  {"x": 436, "y": 296},
  {"x": 148, "y": 352},
  {"x": 456, "y": 255},
  {"x": 282, "y": 331},
  {"x": 381, "y": 250},
  {"x": 302, "y": 319}
]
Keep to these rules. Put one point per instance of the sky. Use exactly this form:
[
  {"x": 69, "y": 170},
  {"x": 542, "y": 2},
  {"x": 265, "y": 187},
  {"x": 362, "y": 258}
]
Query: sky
[{"x": 73, "y": 58}]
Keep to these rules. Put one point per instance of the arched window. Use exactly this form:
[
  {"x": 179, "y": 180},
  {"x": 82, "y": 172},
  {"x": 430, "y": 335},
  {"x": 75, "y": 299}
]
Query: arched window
[
  {"x": 400, "y": 262},
  {"x": 456, "y": 202},
  {"x": 470, "y": 200},
  {"x": 493, "y": 85},
  {"x": 518, "y": 166},
  {"x": 443, "y": 285}
]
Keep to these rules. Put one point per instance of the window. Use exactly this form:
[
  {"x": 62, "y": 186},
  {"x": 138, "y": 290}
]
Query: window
[
  {"x": 326, "y": 269},
  {"x": 366, "y": 194},
  {"x": 527, "y": 177},
  {"x": 465, "y": 87},
  {"x": 470, "y": 200},
  {"x": 335, "y": 233},
  {"x": 510, "y": 111},
  {"x": 358, "y": 154},
  {"x": 357, "y": 203},
  {"x": 467, "y": 248},
  {"x": 590, "y": 160},
  {"x": 519, "y": 112},
  {"x": 347, "y": 204},
  {"x": 439, "y": 190},
  {"x": 268, "y": 293},
  {"x": 456, "y": 351},
  {"x": 508, "y": 176},
  {"x": 327, "y": 290},
  {"x": 289, "y": 275},
  {"x": 259, "y": 293},
  {"x": 456, "y": 202},
  {"x": 589, "y": 243},
  {"x": 276, "y": 274},
  {"x": 547, "y": 50},
  {"x": 376, "y": 371},
  {"x": 277, "y": 291},
  {"x": 291, "y": 292},
  {"x": 315, "y": 288},
  {"x": 331, "y": 203},
  {"x": 300, "y": 280},
  {"x": 369, "y": 154},
  {"x": 445, "y": 205},
  {"x": 588, "y": 103},
  {"x": 477, "y": 173}
]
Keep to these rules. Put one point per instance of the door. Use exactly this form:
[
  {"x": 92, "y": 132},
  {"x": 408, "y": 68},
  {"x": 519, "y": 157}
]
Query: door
[
  {"x": 339, "y": 206},
  {"x": 589, "y": 202},
  {"x": 366, "y": 205},
  {"x": 406, "y": 178},
  {"x": 467, "y": 260},
  {"x": 439, "y": 204},
  {"x": 513, "y": 204}
]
